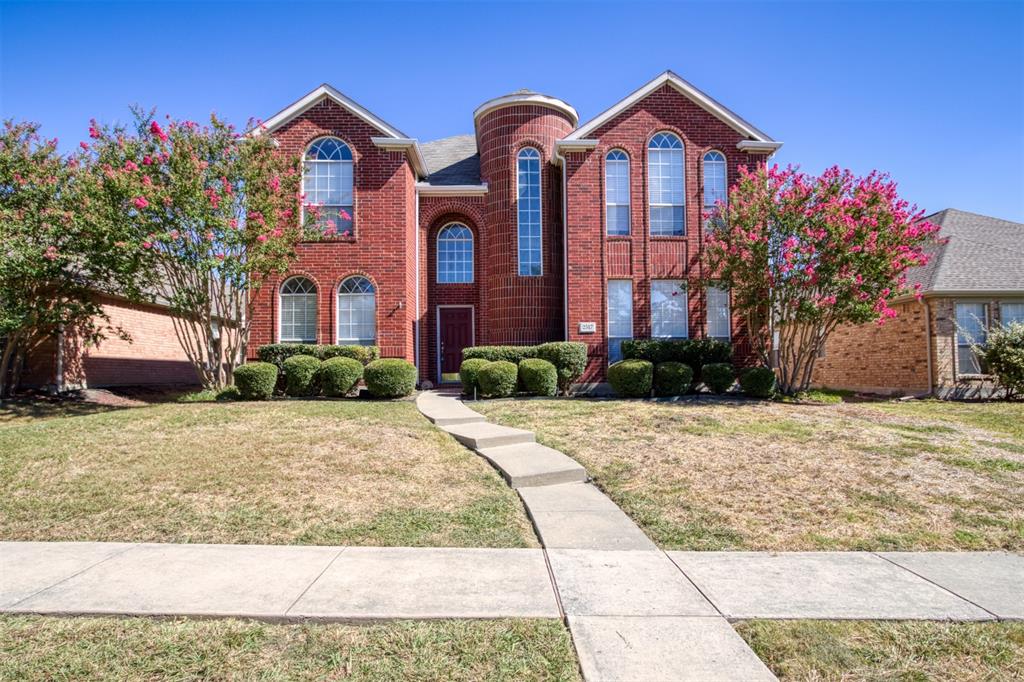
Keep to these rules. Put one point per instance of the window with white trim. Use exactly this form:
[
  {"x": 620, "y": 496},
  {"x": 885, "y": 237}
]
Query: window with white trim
[
  {"x": 715, "y": 186},
  {"x": 616, "y": 192},
  {"x": 298, "y": 311},
  {"x": 620, "y": 316},
  {"x": 1011, "y": 312},
  {"x": 357, "y": 312},
  {"x": 668, "y": 309},
  {"x": 327, "y": 175},
  {"x": 528, "y": 212},
  {"x": 719, "y": 323},
  {"x": 971, "y": 330},
  {"x": 666, "y": 185},
  {"x": 455, "y": 254}
]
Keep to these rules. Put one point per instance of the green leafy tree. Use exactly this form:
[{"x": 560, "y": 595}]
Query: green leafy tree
[
  {"x": 215, "y": 211},
  {"x": 802, "y": 255},
  {"x": 1003, "y": 356},
  {"x": 56, "y": 251}
]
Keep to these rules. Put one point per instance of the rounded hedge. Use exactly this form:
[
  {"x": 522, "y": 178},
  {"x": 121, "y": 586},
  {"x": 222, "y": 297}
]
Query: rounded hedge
[
  {"x": 256, "y": 380},
  {"x": 718, "y": 377},
  {"x": 672, "y": 378},
  {"x": 390, "y": 378},
  {"x": 498, "y": 379},
  {"x": 301, "y": 375},
  {"x": 569, "y": 359},
  {"x": 538, "y": 377},
  {"x": 339, "y": 375},
  {"x": 469, "y": 372},
  {"x": 758, "y": 382},
  {"x": 631, "y": 378}
]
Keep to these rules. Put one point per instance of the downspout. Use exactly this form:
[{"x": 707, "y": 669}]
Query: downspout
[
  {"x": 565, "y": 243},
  {"x": 928, "y": 343},
  {"x": 416, "y": 320}
]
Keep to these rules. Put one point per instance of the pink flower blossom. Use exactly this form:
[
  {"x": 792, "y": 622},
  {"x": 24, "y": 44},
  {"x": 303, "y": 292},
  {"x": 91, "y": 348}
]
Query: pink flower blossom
[
  {"x": 147, "y": 181},
  {"x": 274, "y": 183},
  {"x": 174, "y": 234},
  {"x": 140, "y": 203},
  {"x": 156, "y": 130},
  {"x": 84, "y": 145},
  {"x": 262, "y": 238},
  {"x": 147, "y": 160},
  {"x": 51, "y": 253},
  {"x": 129, "y": 165},
  {"x": 94, "y": 129},
  {"x": 147, "y": 245}
]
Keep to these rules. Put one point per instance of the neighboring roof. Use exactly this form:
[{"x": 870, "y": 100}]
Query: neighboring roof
[
  {"x": 326, "y": 91},
  {"x": 979, "y": 254},
  {"x": 703, "y": 100},
  {"x": 526, "y": 97},
  {"x": 452, "y": 161}
]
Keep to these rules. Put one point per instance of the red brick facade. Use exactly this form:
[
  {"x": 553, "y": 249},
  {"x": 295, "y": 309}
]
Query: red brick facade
[{"x": 398, "y": 213}]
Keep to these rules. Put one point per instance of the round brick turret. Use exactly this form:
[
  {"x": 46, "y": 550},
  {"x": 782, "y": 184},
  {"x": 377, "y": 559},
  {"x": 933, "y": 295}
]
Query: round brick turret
[{"x": 521, "y": 309}]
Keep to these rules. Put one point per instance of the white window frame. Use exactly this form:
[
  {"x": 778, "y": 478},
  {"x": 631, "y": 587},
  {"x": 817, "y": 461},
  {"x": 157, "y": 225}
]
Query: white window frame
[
  {"x": 608, "y": 314},
  {"x": 986, "y": 323},
  {"x": 352, "y": 175},
  {"x": 704, "y": 180},
  {"x": 349, "y": 340},
  {"x": 281, "y": 296},
  {"x": 1002, "y": 307},
  {"x": 728, "y": 313},
  {"x": 472, "y": 259},
  {"x": 651, "y": 204},
  {"x": 540, "y": 213},
  {"x": 680, "y": 289},
  {"x": 608, "y": 204}
]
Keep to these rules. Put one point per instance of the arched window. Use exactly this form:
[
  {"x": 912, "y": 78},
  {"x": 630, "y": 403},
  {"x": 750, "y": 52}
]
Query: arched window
[
  {"x": 667, "y": 185},
  {"x": 357, "y": 312},
  {"x": 327, "y": 182},
  {"x": 616, "y": 191},
  {"x": 715, "y": 181},
  {"x": 528, "y": 186},
  {"x": 298, "y": 310},
  {"x": 454, "y": 254}
]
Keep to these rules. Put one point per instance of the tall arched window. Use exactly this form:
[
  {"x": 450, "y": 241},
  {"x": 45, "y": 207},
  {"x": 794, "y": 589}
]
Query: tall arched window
[
  {"x": 715, "y": 183},
  {"x": 298, "y": 311},
  {"x": 454, "y": 254},
  {"x": 667, "y": 185},
  {"x": 616, "y": 191},
  {"x": 357, "y": 312},
  {"x": 327, "y": 182},
  {"x": 528, "y": 204}
]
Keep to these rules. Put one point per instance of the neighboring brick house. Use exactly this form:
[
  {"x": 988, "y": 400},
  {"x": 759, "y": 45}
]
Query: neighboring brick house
[
  {"x": 974, "y": 280},
  {"x": 533, "y": 229}
]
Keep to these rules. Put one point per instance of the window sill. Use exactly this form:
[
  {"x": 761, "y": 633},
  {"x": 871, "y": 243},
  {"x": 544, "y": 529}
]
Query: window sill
[
  {"x": 329, "y": 240},
  {"x": 668, "y": 237}
]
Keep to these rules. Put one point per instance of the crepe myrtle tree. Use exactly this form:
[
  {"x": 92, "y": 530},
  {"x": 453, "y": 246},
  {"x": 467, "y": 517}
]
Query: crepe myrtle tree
[
  {"x": 804, "y": 254},
  {"x": 56, "y": 251},
  {"x": 217, "y": 214}
]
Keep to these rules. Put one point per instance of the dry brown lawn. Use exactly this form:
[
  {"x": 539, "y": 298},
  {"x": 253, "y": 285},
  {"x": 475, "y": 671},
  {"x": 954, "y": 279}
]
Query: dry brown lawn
[
  {"x": 725, "y": 474},
  {"x": 282, "y": 472}
]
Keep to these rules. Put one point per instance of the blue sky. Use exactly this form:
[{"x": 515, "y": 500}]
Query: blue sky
[{"x": 931, "y": 92}]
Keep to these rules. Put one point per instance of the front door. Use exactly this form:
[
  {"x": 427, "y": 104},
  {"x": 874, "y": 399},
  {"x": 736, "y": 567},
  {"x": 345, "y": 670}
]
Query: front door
[{"x": 454, "y": 332}]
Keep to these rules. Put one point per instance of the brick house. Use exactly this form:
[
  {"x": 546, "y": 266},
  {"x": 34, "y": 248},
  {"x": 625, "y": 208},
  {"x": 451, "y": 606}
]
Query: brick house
[
  {"x": 974, "y": 280},
  {"x": 534, "y": 228}
]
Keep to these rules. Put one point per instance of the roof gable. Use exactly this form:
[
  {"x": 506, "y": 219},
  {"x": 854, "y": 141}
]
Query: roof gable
[
  {"x": 701, "y": 99},
  {"x": 325, "y": 91}
]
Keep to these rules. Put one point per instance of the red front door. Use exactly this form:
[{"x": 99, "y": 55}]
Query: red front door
[{"x": 455, "y": 332}]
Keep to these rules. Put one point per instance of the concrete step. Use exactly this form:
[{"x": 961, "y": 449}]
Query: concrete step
[
  {"x": 568, "y": 497},
  {"x": 481, "y": 435},
  {"x": 444, "y": 410},
  {"x": 533, "y": 464}
]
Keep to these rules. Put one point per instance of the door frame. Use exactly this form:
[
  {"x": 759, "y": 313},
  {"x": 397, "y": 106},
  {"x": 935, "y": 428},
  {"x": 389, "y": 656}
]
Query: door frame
[{"x": 437, "y": 330}]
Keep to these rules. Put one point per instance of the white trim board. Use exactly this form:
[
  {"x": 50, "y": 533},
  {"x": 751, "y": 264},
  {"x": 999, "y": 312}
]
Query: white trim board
[
  {"x": 326, "y": 91},
  {"x": 704, "y": 101}
]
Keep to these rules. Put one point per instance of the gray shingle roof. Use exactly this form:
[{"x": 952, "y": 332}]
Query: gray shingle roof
[
  {"x": 452, "y": 161},
  {"x": 979, "y": 254}
]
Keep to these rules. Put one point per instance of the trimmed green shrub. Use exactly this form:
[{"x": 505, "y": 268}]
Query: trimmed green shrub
[
  {"x": 672, "y": 378},
  {"x": 512, "y": 354},
  {"x": 631, "y": 378},
  {"x": 1003, "y": 355},
  {"x": 256, "y": 380},
  {"x": 758, "y": 382},
  {"x": 390, "y": 378},
  {"x": 277, "y": 353},
  {"x": 538, "y": 377},
  {"x": 338, "y": 376},
  {"x": 569, "y": 359},
  {"x": 469, "y": 372},
  {"x": 718, "y": 377},
  {"x": 301, "y": 375},
  {"x": 498, "y": 379},
  {"x": 693, "y": 352}
]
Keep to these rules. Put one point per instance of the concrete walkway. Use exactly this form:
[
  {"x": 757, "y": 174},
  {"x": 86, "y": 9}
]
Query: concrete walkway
[{"x": 637, "y": 613}]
